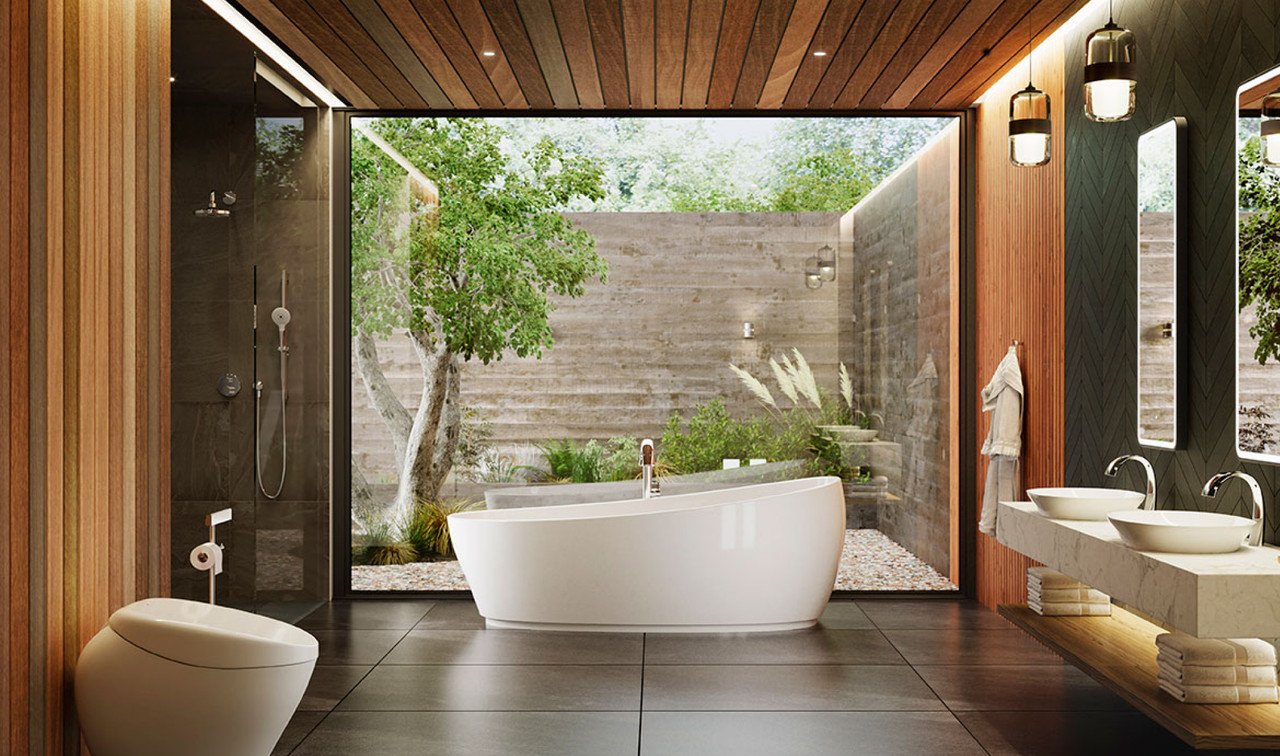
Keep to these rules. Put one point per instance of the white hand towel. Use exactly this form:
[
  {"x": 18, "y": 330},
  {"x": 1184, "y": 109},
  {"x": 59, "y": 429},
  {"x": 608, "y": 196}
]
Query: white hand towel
[
  {"x": 1048, "y": 578},
  {"x": 1086, "y": 595},
  {"x": 1221, "y": 694},
  {"x": 1198, "y": 675},
  {"x": 1215, "y": 652},
  {"x": 1065, "y": 609},
  {"x": 1002, "y": 397}
]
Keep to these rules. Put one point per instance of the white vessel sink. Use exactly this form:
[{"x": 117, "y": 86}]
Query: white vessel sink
[
  {"x": 1181, "y": 532},
  {"x": 1083, "y": 503}
]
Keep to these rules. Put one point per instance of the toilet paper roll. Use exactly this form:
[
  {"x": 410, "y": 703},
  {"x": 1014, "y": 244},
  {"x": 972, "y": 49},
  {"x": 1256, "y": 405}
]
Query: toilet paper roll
[{"x": 207, "y": 556}]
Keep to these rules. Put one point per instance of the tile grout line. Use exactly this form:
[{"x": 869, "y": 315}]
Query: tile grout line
[{"x": 644, "y": 643}]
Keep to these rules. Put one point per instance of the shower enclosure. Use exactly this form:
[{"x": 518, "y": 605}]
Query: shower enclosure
[{"x": 250, "y": 225}]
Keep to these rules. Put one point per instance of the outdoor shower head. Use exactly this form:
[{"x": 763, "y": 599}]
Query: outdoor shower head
[{"x": 212, "y": 211}]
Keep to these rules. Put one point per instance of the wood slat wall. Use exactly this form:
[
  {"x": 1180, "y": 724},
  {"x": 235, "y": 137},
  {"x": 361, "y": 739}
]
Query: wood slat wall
[
  {"x": 1020, "y": 254},
  {"x": 83, "y": 341},
  {"x": 669, "y": 54}
]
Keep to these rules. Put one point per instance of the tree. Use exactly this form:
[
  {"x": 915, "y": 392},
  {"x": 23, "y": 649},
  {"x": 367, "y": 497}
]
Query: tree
[
  {"x": 1260, "y": 249},
  {"x": 467, "y": 276}
]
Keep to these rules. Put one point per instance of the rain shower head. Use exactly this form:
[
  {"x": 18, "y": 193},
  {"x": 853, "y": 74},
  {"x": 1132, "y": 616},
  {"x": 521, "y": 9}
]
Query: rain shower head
[{"x": 212, "y": 211}]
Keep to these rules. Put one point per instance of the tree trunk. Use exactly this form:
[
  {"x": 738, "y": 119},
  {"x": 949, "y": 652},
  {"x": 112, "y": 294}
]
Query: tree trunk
[
  {"x": 384, "y": 400},
  {"x": 434, "y": 435}
]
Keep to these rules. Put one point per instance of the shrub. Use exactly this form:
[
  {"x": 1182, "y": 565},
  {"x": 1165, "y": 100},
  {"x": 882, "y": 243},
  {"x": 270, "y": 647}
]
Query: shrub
[
  {"x": 567, "y": 462},
  {"x": 711, "y": 437},
  {"x": 428, "y": 527},
  {"x": 379, "y": 546}
]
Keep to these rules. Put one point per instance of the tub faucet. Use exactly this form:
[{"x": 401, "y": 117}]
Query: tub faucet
[
  {"x": 1211, "y": 490},
  {"x": 1118, "y": 462},
  {"x": 649, "y": 479}
]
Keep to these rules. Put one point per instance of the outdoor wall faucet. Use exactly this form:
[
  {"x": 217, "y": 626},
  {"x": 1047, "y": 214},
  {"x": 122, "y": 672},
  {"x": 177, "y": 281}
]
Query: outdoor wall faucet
[{"x": 648, "y": 478}]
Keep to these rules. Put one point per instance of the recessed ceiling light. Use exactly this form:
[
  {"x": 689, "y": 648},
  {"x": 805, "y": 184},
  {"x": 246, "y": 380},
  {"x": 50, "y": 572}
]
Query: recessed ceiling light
[
  {"x": 488, "y": 53},
  {"x": 819, "y": 54}
]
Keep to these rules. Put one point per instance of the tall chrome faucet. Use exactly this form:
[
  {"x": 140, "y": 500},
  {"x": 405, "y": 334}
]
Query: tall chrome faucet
[
  {"x": 1118, "y": 462},
  {"x": 1211, "y": 490},
  {"x": 649, "y": 479}
]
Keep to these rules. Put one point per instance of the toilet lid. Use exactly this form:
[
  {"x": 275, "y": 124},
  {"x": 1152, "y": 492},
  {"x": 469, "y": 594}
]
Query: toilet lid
[{"x": 205, "y": 635}]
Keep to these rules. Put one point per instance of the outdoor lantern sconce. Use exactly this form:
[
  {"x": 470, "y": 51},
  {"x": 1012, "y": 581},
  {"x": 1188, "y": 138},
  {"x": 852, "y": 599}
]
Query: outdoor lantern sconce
[
  {"x": 812, "y": 273},
  {"x": 827, "y": 263},
  {"x": 1270, "y": 129},
  {"x": 1110, "y": 73}
]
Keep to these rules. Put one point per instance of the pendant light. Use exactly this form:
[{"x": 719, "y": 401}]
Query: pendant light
[
  {"x": 812, "y": 273},
  {"x": 1110, "y": 73},
  {"x": 1029, "y": 126},
  {"x": 827, "y": 263},
  {"x": 1270, "y": 130}
]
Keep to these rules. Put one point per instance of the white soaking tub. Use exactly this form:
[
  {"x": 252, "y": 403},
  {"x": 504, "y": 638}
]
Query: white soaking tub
[{"x": 752, "y": 558}]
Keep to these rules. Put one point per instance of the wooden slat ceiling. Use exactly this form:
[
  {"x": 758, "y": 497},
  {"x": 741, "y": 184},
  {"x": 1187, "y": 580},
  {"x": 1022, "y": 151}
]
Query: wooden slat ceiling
[{"x": 880, "y": 55}]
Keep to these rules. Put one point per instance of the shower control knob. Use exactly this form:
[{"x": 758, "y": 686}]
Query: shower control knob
[{"x": 229, "y": 385}]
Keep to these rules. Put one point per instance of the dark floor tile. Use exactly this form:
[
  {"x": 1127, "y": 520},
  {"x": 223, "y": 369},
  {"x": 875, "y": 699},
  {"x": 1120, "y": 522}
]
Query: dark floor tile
[
  {"x": 299, "y": 727},
  {"x": 329, "y": 684},
  {"x": 965, "y": 646},
  {"x": 516, "y": 647},
  {"x": 816, "y": 646},
  {"x": 759, "y": 687},
  {"x": 367, "y": 647},
  {"x": 1018, "y": 688},
  {"x": 1055, "y": 733},
  {"x": 845, "y": 615},
  {"x": 287, "y": 611},
  {"x": 884, "y": 733},
  {"x": 426, "y": 733},
  {"x": 368, "y": 614},
  {"x": 476, "y": 687},
  {"x": 927, "y": 614},
  {"x": 454, "y": 614}
]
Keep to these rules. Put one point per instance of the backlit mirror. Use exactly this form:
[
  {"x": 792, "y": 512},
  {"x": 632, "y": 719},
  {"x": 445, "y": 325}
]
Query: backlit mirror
[
  {"x": 1257, "y": 276},
  {"x": 1159, "y": 191}
]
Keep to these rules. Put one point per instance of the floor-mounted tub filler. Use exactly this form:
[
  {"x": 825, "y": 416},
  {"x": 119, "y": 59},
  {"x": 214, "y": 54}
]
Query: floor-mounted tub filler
[{"x": 747, "y": 559}]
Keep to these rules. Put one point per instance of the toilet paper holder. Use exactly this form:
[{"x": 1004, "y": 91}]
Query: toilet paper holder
[{"x": 207, "y": 557}]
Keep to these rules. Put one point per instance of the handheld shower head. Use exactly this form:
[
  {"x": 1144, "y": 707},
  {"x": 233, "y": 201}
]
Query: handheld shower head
[{"x": 281, "y": 317}]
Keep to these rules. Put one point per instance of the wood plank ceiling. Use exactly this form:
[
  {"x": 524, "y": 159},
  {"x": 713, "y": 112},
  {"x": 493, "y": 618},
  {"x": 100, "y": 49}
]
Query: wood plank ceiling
[{"x": 870, "y": 55}]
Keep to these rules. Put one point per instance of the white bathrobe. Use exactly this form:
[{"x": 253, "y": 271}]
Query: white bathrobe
[{"x": 1002, "y": 397}]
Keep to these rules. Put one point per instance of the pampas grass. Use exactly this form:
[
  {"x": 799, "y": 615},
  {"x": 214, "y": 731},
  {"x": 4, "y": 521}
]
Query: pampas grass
[
  {"x": 783, "y": 378},
  {"x": 757, "y": 389},
  {"x": 846, "y": 386},
  {"x": 805, "y": 382}
]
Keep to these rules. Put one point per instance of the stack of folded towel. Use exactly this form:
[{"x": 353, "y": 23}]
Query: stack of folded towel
[
  {"x": 1052, "y": 594},
  {"x": 1217, "y": 671}
]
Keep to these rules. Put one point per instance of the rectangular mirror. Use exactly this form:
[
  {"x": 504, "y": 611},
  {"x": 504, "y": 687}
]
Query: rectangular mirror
[
  {"x": 1160, "y": 190},
  {"x": 1258, "y": 271}
]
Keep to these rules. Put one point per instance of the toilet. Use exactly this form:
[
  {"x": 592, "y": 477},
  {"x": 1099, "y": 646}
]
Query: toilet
[{"x": 168, "y": 676}]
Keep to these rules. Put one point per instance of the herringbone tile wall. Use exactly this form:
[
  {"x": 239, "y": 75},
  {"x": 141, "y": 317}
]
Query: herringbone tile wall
[{"x": 1193, "y": 56}]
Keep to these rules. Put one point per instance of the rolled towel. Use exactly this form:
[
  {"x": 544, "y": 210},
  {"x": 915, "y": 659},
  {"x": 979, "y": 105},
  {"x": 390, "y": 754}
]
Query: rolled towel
[
  {"x": 1197, "y": 675},
  {"x": 1047, "y": 578},
  {"x": 1086, "y": 595},
  {"x": 1186, "y": 650},
  {"x": 1069, "y": 609},
  {"x": 1221, "y": 694}
]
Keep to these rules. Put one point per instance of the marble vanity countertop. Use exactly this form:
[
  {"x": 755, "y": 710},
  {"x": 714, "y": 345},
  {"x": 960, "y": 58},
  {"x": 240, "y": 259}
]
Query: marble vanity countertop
[{"x": 1207, "y": 595}]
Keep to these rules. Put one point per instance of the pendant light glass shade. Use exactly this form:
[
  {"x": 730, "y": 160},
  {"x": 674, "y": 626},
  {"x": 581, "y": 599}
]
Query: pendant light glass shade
[
  {"x": 1270, "y": 130},
  {"x": 1029, "y": 127},
  {"x": 812, "y": 273},
  {"x": 1110, "y": 74}
]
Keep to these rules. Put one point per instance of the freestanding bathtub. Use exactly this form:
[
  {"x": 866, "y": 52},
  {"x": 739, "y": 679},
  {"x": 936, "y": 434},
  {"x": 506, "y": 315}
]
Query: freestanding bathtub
[{"x": 753, "y": 558}]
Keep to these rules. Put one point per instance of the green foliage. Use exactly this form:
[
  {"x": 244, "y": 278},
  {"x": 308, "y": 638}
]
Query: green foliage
[
  {"x": 828, "y": 182},
  {"x": 476, "y": 270},
  {"x": 380, "y": 546},
  {"x": 827, "y": 456},
  {"x": 569, "y": 462},
  {"x": 428, "y": 527},
  {"x": 621, "y": 459},
  {"x": 279, "y": 143},
  {"x": 1260, "y": 250},
  {"x": 710, "y": 437},
  {"x": 475, "y": 433}
]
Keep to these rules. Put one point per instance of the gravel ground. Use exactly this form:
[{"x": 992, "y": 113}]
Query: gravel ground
[{"x": 870, "y": 562}]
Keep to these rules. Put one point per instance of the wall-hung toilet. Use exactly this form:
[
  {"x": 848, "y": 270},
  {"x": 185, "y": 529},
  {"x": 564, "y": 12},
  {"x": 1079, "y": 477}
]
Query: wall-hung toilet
[{"x": 167, "y": 676}]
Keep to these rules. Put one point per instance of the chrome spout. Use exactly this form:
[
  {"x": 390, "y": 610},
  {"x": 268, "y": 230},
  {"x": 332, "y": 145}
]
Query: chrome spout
[
  {"x": 1118, "y": 462},
  {"x": 1211, "y": 490},
  {"x": 649, "y": 480}
]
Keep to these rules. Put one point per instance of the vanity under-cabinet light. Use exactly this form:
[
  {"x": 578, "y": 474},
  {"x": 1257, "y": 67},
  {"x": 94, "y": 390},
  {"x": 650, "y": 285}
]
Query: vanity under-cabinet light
[
  {"x": 1110, "y": 73},
  {"x": 1270, "y": 129}
]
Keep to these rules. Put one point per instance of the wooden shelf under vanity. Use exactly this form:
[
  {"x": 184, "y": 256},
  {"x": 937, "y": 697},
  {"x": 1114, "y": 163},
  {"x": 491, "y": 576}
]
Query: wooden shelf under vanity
[{"x": 1120, "y": 652}]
